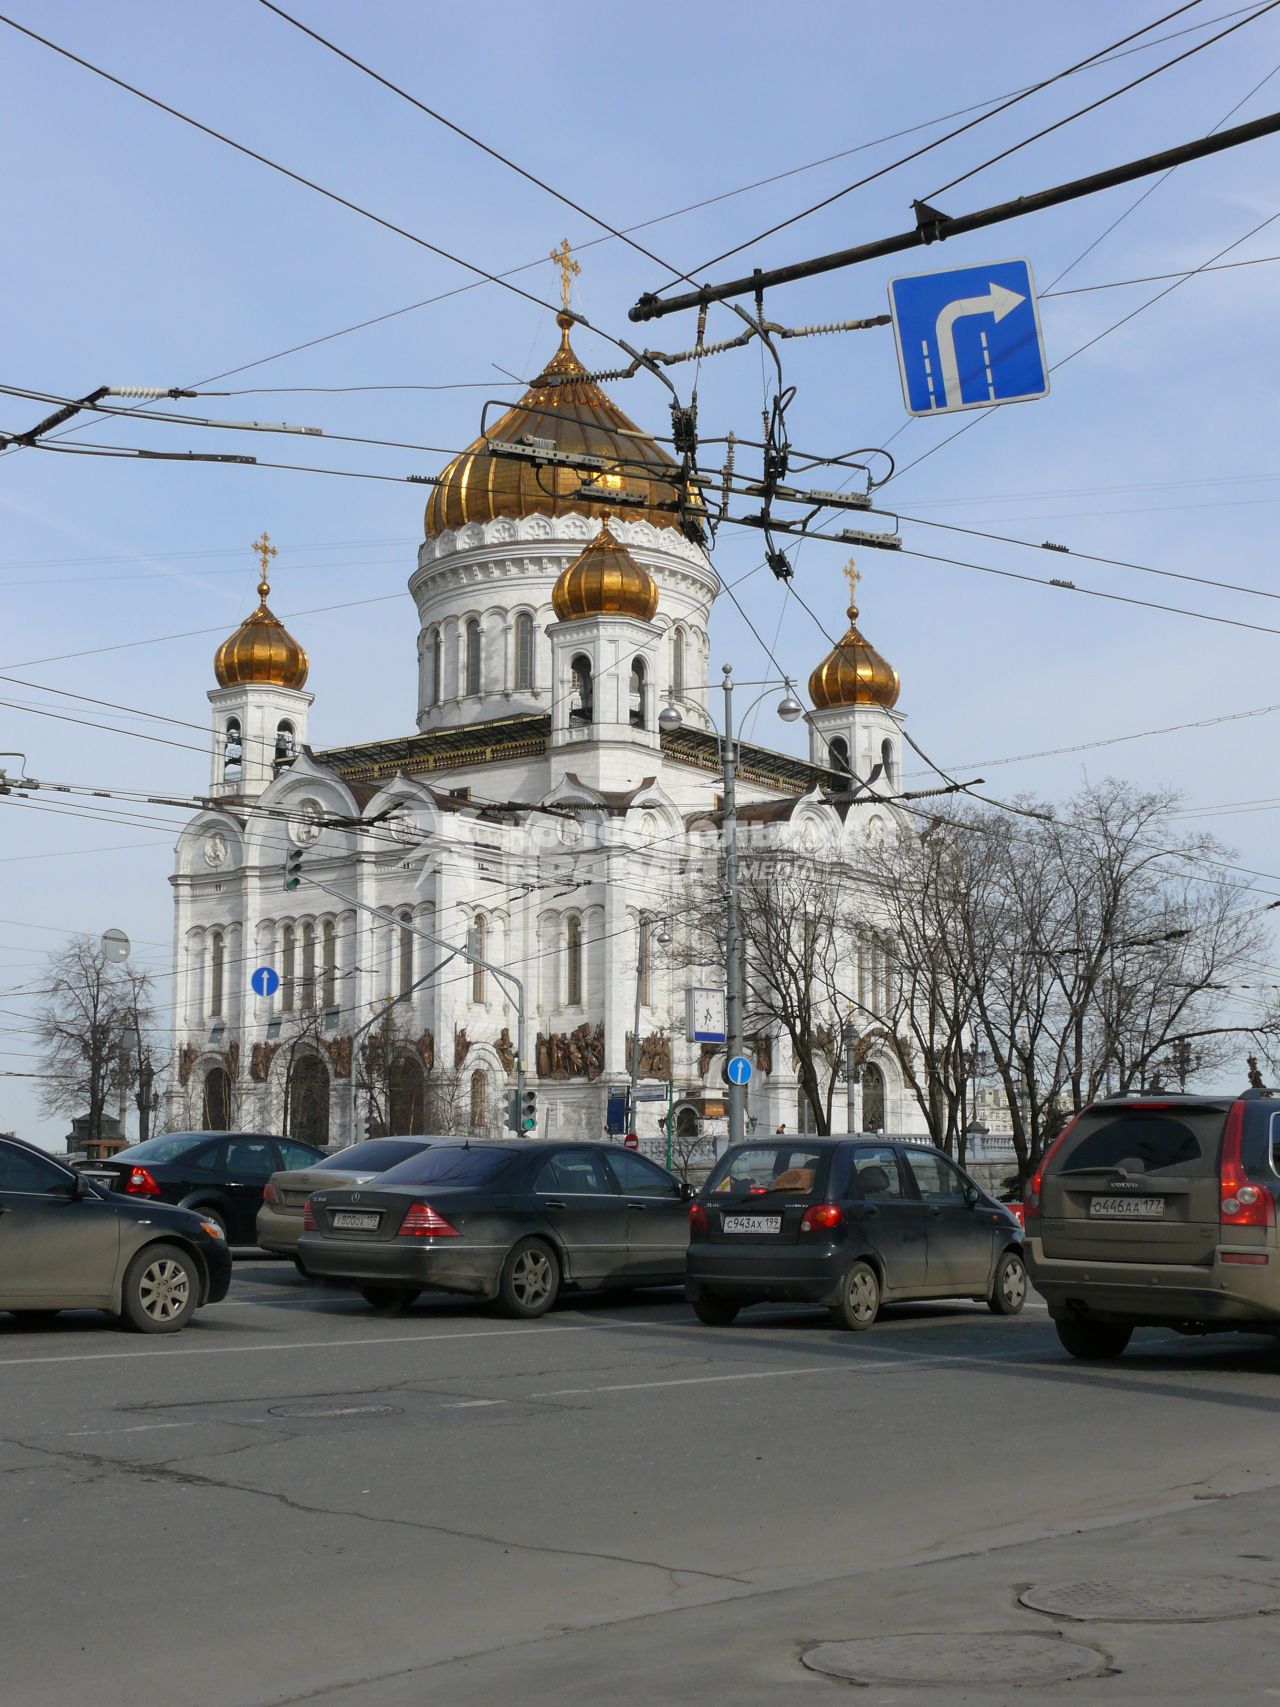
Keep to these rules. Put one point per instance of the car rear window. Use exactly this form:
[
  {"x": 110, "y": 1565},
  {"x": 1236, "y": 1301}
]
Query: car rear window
[
  {"x": 798, "y": 1169},
  {"x": 1145, "y": 1141},
  {"x": 165, "y": 1149},
  {"x": 374, "y": 1156},
  {"x": 445, "y": 1165}
]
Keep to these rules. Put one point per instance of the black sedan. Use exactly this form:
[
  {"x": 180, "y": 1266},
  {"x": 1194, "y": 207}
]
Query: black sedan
[
  {"x": 512, "y": 1223},
  {"x": 849, "y": 1223},
  {"x": 65, "y": 1244},
  {"x": 221, "y": 1174}
]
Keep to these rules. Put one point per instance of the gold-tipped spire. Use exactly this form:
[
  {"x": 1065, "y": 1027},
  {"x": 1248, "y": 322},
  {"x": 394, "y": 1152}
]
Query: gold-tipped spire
[
  {"x": 266, "y": 551},
  {"x": 261, "y": 651},
  {"x": 853, "y": 672},
  {"x": 569, "y": 270}
]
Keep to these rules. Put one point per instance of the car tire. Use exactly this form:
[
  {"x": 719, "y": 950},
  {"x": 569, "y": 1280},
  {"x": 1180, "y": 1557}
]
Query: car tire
[
  {"x": 715, "y": 1311},
  {"x": 161, "y": 1290},
  {"x": 1095, "y": 1341},
  {"x": 859, "y": 1303},
  {"x": 1009, "y": 1288},
  {"x": 389, "y": 1299},
  {"x": 530, "y": 1280}
]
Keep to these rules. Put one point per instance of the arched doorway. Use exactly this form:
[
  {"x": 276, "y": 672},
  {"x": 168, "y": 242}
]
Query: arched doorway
[
  {"x": 406, "y": 1097},
  {"x": 216, "y": 1113},
  {"x": 687, "y": 1123},
  {"x": 309, "y": 1100},
  {"x": 872, "y": 1098}
]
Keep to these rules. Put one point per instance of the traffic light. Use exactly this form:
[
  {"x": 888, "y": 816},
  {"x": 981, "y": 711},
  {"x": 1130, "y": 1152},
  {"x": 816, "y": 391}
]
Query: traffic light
[
  {"x": 512, "y": 1120},
  {"x": 293, "y": 868},
  {"x": 528, "y": 1111}
]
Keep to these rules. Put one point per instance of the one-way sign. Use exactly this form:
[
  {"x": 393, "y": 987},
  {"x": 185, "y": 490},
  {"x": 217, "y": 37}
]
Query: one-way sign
[{"x": 969, "y": 338}]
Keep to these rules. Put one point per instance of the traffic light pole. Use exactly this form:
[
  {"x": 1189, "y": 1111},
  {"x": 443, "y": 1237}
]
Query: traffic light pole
[{"x": 732, "y": 939}]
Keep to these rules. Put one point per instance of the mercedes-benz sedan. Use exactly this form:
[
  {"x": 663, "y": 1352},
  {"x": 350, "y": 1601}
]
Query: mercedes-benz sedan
[{"x": 279, "y": 1224}]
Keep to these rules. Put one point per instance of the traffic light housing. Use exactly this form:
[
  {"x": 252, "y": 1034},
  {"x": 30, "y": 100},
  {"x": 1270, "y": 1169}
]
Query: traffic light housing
[
  {"x": 512, "y": 1119},
  {"x": 528, "y": 1111},
  {"x": 293, "y": 868}
]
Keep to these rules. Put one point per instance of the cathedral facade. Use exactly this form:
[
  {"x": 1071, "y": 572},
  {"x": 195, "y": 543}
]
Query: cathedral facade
[{"x": 509, "y": 881}]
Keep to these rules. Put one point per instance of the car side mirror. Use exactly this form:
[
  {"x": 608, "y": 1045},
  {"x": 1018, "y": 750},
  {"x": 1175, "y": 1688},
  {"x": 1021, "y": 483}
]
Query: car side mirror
[
  {"x": 688, "y": 1191},
  {"x": 972, "y": 1197},
  {"x": 81, "y": 1188}
]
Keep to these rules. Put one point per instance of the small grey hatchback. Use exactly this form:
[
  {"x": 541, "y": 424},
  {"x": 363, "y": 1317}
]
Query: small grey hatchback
[{"x": 1158, "y": 1211}]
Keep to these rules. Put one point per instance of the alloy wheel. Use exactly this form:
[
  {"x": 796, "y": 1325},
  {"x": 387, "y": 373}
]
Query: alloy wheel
[
  {"x": 164, "y": 1289},
  {"x": 532, "y": 1278},
  {"x": 1013, "y": 1284},
  {"x": 864, "y": 1299}
]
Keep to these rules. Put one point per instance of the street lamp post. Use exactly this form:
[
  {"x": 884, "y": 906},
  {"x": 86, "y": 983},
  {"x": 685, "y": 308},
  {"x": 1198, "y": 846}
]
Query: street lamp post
[{"x": 789, "y": 708}]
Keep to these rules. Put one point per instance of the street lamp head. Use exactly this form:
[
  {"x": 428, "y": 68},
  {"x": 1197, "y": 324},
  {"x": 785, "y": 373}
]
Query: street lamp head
[
  {"x": 663, "y": 938},
  {"x": 790, "y": 708},
  {"x": 669, "y": 719}
]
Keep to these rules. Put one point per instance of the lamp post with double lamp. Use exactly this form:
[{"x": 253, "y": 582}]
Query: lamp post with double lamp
[
  {"x": 662, "y": 938},
  {"x": 789, "y": 709}
]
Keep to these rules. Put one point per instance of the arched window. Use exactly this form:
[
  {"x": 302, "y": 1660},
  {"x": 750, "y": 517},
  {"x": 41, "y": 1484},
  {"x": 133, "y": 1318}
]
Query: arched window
[
  {"x": 878, "y": 982},
  {"x": 329, "y": 964},
  {"x": 473, "y": 655},
  {"x": 636, "y": 693},
  {"x": 286, "y": 744},
  {"x": 405, "y": 951},
  {"x": 889, "y": 763},
  {"x": 872, "y": 1098},
  {"x": 479, "y": 1100},
  {"x": 437, "y": 667},
  {"x": 216, "y": 1114},
  {"x": 479, "y": 946},
  {"x": 307, "y": 992},
  {"x": 288, "y": 968},
  {"x": 580, "y": 695},
  {"x": 308, "y": 1102},
  {"x": 524, "y": 651},
  {"x": 217, "y": 971},
  {"x": 677, "y": 662},
  {"x": 406, "y": 1096},
  {"x": 232, "y": 751},
  {"x": 573, "y": 962},
  {"x": 838, "y": 748}
]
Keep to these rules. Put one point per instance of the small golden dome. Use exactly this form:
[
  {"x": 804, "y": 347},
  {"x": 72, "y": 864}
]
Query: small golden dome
[
  {"x": 261, "y": 651},
  {"x": 570, "y": 410},
  {"x": 604, "y": 580},
  {"x": 853, "y": 672}
]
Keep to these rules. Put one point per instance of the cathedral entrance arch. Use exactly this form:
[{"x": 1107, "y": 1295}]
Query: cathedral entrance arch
[
  {"x": 309, "y": 1101},
  {"x": 407, "y": 1097},
  {"x": 216, "y": 1112},
  {"x": 872, "y": 1098}
]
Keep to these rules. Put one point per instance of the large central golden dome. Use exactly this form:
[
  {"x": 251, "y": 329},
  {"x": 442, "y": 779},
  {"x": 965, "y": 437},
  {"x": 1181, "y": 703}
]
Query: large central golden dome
[{"x": 562, "y": 405}]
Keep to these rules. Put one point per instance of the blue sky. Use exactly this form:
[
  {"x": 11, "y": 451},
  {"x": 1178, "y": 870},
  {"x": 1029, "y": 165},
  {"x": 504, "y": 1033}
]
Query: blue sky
[{"x": 142, "y": 253}]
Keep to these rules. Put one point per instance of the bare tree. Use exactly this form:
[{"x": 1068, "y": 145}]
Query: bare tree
[{"x": 82, "y": 1027}]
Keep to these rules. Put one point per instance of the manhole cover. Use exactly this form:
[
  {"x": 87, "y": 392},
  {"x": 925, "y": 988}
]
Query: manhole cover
[
  {"x": 956, "y": 1661},
  {"x": 335, "y": 1411},
  {"x": 1153, "y": 1599}
]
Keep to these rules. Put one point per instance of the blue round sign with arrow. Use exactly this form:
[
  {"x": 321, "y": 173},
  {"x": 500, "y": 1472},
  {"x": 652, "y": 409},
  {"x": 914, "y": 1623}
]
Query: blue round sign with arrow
[
  {"x": 265, "y": 981},
  {"x": 738, "y": 1070}
]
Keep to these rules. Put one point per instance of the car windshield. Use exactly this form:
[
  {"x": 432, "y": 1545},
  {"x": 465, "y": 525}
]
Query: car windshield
[
  {"x": 457, "y": 1164},
  {"x": 765, "y": 1168},
  {"x": 1144, "y": 1141},
  {"x": 374, "y": 1156},
  {"x": 165, "y": 1149}
]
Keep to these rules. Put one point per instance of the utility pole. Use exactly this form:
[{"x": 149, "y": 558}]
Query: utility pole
[{"x": 732, "y": 940}]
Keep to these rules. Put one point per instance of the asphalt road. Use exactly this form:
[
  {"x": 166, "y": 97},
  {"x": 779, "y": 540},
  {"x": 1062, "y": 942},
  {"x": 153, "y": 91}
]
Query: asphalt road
[{"x": 297, "y": 1499}]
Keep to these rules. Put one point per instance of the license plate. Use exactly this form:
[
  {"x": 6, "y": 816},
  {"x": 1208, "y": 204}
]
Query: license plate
[
  {"x": 753, "y": 1223},
  {"x": 1127, "y": 1208},
  {"x": 99, "y": 1179},
  {"x": 356, "y": 1220}
]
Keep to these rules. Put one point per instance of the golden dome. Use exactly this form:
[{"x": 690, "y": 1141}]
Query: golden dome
[
  {"x": 604, "y": 580},
  {"x": 575, "y": 415},
  {"x": 853, "y": 672},
  {"x": 261, "y": 651}
]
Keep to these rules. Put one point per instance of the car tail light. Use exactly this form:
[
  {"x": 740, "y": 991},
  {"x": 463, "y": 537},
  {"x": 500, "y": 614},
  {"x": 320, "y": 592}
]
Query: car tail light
[
  {"x": 1243, "y": 1204},
  {"x": 697, "y": 1218},
  {"x": 269, "y": 1193},
  {"x": 309, "y": 1224},
  {"x": 140, "y": 1182},
  {"x": 421, "y": 1221},
  {"x": 1031, "y": 1196},
  {"x": 821, "y": 1217}
]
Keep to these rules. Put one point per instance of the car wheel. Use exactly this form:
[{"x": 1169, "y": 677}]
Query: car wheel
[
  {"x": 1009, "y": 1289},
  {"x": 1095, "y": 1341},
  {"x": 161, "y": 1287},
  {"x": 392, "y": 1299},
  {"x": 859, "y": 1299},
  {"x": 714, "y": 1311},
  {"x": 530, "y": 1280}
]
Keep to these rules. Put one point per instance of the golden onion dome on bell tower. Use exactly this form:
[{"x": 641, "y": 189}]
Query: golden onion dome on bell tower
[
  {"x": 261, "y": 652},
  {"x": 604, "y": 579},
  {"x": 853, "y": 672}
]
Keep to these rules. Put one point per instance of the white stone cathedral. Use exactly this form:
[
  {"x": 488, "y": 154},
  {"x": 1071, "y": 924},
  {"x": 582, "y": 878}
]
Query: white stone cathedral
[{"x": 539, "y": 818}]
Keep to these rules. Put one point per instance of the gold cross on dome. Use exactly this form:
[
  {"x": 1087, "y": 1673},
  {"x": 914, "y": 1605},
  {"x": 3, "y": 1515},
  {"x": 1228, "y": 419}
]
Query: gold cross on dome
[
  {"x": 266, "y": 551},
  {"x": 853, "y": 576},
  {"x": 569, "y": 268}
]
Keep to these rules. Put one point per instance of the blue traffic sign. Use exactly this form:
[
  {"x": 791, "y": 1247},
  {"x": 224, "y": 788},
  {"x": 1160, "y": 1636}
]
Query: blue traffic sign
[
  {"x": 737, "y": 1070},
  {"x": 265, "y": 981},
  {"x": 969, "y": 338}
]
